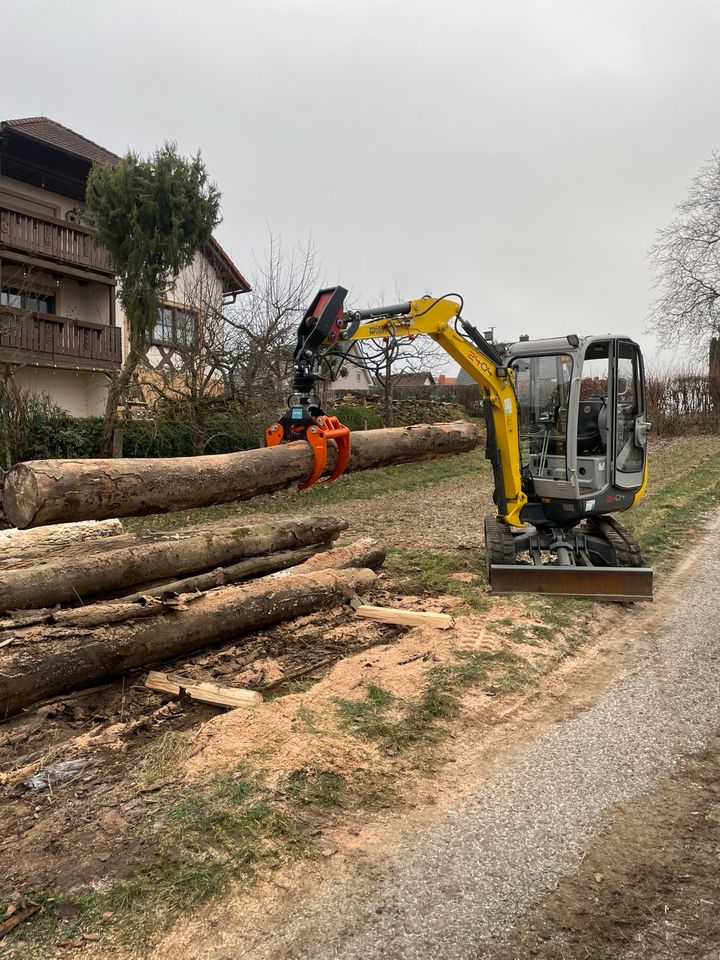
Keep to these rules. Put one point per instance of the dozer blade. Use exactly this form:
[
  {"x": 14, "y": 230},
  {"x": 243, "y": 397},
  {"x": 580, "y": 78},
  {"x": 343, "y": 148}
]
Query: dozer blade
[{"x": 604, "y": 583}]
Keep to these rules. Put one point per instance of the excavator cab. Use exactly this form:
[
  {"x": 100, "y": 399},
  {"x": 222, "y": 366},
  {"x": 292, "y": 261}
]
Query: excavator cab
[
  {"x": 582, "y": 426},
  {"x": 583, "y": 448}
]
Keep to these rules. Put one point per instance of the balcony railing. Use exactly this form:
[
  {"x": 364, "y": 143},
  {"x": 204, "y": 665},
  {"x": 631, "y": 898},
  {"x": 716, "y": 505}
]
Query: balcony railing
[
  {"x": 43, "y": 337},
  {"x": 51, "y": 239}
]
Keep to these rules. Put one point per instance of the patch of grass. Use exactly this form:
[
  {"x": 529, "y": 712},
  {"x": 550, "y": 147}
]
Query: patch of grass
[
  {"x": 204, "y": 839},
  {"x": 355, "y": 486},
  {"x": 401, "y": 723},
  {"x": 435, "y": 570},
  {"x": 320, "y": 788},
  {"x": 670, "y": 512},
  {"x": 500, "y": 670},
  {"x": 164, "y": 757}
]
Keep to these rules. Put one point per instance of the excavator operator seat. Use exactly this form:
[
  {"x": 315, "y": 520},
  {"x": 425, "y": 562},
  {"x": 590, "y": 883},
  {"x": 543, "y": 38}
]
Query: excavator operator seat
[{"x": 590, "y": 437}]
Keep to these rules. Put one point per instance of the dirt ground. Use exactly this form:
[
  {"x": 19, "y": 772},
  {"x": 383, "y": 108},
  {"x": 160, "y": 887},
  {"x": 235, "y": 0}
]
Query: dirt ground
[
  {"x": 140, "y": 751},
  {"x": 647, "y": 888}
]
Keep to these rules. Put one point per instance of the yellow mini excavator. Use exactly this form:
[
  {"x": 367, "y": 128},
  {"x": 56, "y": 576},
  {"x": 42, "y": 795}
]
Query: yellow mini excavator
[{"x": 566, "y": 437}]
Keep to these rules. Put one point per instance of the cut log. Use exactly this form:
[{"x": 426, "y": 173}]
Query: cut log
[
  {"x": 52, "y": 491},
  {"x": 227, "y": 613},
  {"x": 65, "y": 580},
  {"x": 364, "y": 552},
  {"x": 216, "y": 693},
  {"x": 4, "y": 522},
  {"x": 14, "y": 543},
  {"x": 406, "y": 618},
  {"x": 244, "y": 570}
]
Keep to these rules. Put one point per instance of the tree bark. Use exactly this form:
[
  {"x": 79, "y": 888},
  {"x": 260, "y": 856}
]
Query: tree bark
[
  {"x": 364, "y": 552},
  {"x": 218, "y": 616},
  {"x": 17, "y": 542},
  {"x": 51, "y": 491},
  {"x": 4, "y": 522},
  {"x": 69, "y": 579},
  {"x": 714, "y": 374},
  {"x": 224, "y": 576}
]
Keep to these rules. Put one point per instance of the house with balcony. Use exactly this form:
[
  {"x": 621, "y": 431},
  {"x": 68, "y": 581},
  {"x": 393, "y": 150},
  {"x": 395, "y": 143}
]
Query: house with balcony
[{"x": 62, "y": 331}]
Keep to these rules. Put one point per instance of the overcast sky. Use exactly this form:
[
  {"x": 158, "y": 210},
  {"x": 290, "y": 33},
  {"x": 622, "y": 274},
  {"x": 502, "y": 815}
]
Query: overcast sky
[{"x": 521, "y": 152}]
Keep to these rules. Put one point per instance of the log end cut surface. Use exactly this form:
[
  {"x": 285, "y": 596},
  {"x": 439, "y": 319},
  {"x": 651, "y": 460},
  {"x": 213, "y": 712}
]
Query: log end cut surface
[{"x": 20, "y": 495}]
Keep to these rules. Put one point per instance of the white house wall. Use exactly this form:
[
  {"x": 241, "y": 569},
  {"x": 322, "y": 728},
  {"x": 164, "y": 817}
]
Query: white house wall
[
  {"x": 183, "y": 292},
  {"x": 82, "y": 394},
  {"x": 84, "y": 301}
]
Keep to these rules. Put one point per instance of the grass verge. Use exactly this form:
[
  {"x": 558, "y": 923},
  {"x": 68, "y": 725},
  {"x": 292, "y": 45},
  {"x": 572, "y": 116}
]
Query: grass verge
[
  {"x": 400, "y": 723},
  {"x": 400, "y": 479},
  {"x": 202, "y": 840}
]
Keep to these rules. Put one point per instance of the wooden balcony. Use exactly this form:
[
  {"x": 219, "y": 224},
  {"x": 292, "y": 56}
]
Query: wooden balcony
[
  {"x": 51, "y": 240},
  {"x": 45, "y": 339}
]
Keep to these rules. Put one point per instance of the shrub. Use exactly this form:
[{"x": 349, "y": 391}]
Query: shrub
[
  {"x": 357, "y": 417},
  {"x": 34, "y": 428}
]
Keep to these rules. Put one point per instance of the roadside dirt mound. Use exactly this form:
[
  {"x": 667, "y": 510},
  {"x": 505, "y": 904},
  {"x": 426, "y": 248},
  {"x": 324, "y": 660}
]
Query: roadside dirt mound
[
  {"x": 647, "y": 888},
  {"x": 305, "y": 730}
]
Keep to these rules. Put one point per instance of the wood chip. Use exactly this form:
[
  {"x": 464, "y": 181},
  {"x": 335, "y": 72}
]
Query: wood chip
[
  {"x": 408, "y": 618},
  {"x": 216, "y": 693},
  {"x": 16, "y": 919}
]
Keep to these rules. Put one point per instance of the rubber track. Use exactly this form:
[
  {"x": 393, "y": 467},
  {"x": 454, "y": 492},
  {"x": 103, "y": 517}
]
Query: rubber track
[
  {"x": 499, "y": 542},
  {"x": 627, "y": 549}
]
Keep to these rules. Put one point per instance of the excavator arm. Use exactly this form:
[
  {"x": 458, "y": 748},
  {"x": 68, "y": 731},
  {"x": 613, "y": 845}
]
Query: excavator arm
[{"x": 327, "y": 333}]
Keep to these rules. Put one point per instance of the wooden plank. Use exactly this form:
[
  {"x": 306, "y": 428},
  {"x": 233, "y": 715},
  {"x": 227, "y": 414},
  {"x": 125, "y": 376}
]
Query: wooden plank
[
  {"x": 223, "y": 696},
  {"x": 207, "y": 692},
  {"x": 162, "y": 683},
  {"x": 405, "y": 618}
]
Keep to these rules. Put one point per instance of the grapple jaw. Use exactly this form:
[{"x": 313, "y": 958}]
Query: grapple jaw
[{"x": 308, "y": 422}]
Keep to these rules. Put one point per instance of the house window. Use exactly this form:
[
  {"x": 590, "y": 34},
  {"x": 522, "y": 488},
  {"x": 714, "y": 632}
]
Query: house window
[
  {"x": 27, "y": 300},
  {"x": 174, "y": 327}
]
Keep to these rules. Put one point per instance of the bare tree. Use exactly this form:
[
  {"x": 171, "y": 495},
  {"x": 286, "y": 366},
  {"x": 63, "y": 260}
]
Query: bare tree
[
  {"x": 230, "y": 360},
  {"x": 686, "y": 261},
  {"x": 261, "y": 329},
  {"x": 185, "y": 377},
  {"x": 390, "y": 358}
]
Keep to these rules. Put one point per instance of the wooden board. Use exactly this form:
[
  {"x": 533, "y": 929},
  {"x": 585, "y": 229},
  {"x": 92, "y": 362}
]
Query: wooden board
[
  {"x": 405, "y": 618},
  {"x": 205, "y": 691}
]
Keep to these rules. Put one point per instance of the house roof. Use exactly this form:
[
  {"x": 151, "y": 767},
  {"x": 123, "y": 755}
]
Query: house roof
[
  {"x": 60, "y": 137},
  {"x": 413, "y": 379},
  {"x": 232, "y": 280},
  {"x": 63, "y": 138},
  {"x": 464, "y": 379}
]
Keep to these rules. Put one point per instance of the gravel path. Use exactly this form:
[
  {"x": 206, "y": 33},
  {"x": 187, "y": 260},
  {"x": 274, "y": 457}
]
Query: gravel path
[{"x": 469, "y": 877}]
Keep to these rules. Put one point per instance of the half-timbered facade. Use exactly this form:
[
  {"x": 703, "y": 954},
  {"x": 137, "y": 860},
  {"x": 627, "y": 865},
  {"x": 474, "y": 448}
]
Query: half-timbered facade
[{"x": 61, "y": 327}]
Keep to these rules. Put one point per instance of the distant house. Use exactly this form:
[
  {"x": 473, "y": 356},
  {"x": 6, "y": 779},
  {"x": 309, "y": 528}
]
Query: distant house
[
  {"x": 62, "y": 330},
  {"x": 444, "y": 381},
  {"x": 352, "y": 377},
  {"x": 464, "y": 379},
  {"x": 423, "y": 379}
]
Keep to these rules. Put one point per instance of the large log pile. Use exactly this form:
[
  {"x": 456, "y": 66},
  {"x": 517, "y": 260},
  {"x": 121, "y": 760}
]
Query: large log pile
[
  {"x": 128, "y": 561},
  {"x": 56, "y": 491},
  {"x": 84, "y": 603}
]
